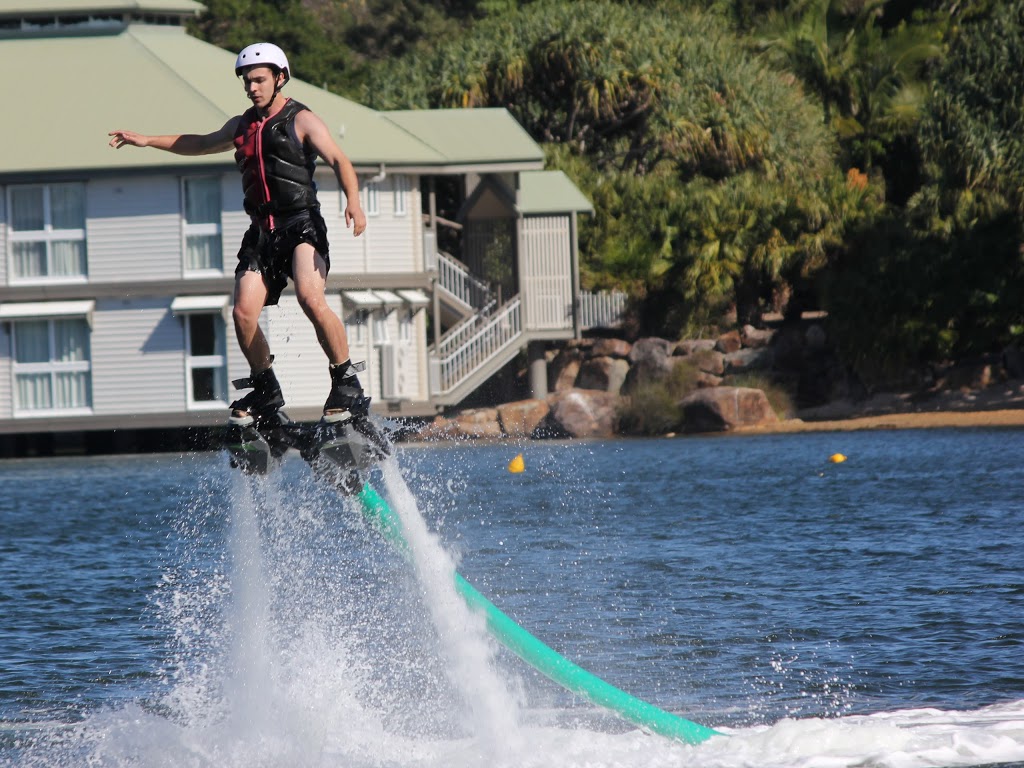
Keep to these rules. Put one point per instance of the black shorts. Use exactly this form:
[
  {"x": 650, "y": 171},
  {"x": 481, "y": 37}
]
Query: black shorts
[{"x": 270, "y": 252}]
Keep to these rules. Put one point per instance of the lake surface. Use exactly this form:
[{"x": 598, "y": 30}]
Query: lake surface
[{"x": 165, "y": 611}]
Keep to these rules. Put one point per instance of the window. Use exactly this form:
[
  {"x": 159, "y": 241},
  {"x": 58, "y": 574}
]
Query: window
[
  {"x": 205, "y": 359},
  {"x": 371, "y": 199},
  {"x": 401, "y": 195},
  {"x": 202, "y": 208},
  {"x": 356, "y": 325},
  {"x": 405, "y": 325},
  {"x": 47, "y": 231},
  {"x": 51, "y": 365},
  {"x": 381, "y": 334}
]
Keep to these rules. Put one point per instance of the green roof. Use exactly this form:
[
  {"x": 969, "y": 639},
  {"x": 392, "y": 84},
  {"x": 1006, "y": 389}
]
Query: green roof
[
  {"x": 470, "y": 135},
  {"x": 550, "y": 192},
  {"x": 159, "y": 80},
  {"x": 45, "y": 7}
]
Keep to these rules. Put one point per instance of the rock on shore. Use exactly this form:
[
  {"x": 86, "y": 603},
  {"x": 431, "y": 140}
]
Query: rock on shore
[{"x": 593, "y": 382}]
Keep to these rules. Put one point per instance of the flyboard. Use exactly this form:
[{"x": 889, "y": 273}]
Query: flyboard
[{"x": 342, "y": 457}]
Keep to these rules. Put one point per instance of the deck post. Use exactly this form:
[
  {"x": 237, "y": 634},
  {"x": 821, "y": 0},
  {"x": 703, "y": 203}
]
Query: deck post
[{"x": 538, "y": 370}]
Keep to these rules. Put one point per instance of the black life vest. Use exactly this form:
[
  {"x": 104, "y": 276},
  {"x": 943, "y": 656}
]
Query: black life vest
[{"x": 277, "y": 169}]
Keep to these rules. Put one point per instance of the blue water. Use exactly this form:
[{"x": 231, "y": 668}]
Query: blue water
[{"x": 162, "y": 610}]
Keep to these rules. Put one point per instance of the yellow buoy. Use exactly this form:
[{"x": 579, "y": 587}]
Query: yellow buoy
[
  {"x": 837, "y": 458},
  {"x": 517, "y": 464}
]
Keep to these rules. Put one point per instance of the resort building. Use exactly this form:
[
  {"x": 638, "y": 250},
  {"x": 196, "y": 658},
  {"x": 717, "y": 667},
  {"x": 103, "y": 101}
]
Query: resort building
[{"x": 116, "y": 266}]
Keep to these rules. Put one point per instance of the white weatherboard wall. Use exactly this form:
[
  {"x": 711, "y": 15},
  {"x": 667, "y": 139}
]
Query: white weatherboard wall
[
  {"x": 137, "y": 358},
  {"x": 6, "y": 373},
  {"x": 133, "y": 229},
  {"x": 3, "y": 235},
  {"x": 390, "y": 244},
  {"x": 300, "y": 364}
]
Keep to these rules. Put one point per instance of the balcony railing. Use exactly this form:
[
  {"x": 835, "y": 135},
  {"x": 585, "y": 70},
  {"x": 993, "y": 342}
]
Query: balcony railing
[
  {"x": 468, "y": 347},
  {"x": 455, "y": 278},
  {"x": 603, "y": 309}
]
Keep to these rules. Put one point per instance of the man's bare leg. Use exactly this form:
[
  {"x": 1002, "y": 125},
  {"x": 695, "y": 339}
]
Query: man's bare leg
[
  {"x": 309, "y": 273},
  {"x": 266, "y": 397},
  {"x": 250, "y": 295}
]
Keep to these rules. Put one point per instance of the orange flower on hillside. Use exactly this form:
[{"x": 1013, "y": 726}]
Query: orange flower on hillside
[{"x": 856, "y": 179}]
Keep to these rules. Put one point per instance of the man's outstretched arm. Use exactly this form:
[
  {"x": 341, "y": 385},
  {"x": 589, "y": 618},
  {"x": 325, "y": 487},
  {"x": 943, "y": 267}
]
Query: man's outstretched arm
[{"x": 180, "y": 144}]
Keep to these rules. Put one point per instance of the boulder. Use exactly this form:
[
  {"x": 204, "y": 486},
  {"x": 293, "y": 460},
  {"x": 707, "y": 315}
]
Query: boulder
[
  {"x": 521, "y": 418},
  {"x": 729, "y": 341},
  {"x": 651, "y": 360},
  {"x": 721, "y": 409},
  {"x": 693, "y": 346},
  {"x": 563, "y": 370},
  {"x": 705, "y": 380},
  {"x": 473, "y": 423},
  {"x": 438, "y": 429},
  {"x": 618, "y": 348},
  {"x": 581, "y": 413},
  {"x": 755, "y": 338},
  {"x": 708, "y": 361},
  {"x": 607, "y": 374},
  {"x": 757, "y": 359}
]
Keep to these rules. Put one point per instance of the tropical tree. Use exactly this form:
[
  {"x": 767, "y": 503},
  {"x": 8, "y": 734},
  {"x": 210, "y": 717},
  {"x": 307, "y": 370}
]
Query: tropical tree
[
  {"x": 680, "y": 137},
  {"x": 870, "y": 78},
  {"x": 945, "y": 278}
]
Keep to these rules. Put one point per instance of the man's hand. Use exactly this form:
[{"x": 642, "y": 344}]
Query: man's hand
[
  {"x": 354, "y": 215},
  {"x": 121, "y": 138}
]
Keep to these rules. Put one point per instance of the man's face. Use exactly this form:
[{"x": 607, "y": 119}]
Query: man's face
[{"x": 259, "y": 85}]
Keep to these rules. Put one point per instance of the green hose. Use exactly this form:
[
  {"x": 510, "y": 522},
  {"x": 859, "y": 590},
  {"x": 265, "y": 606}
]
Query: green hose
[{"x": 538, "y": 655}]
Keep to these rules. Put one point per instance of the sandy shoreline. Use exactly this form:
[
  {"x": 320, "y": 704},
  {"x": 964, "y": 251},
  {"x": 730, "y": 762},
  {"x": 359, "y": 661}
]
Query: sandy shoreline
[{"x": 932, "y": 419}]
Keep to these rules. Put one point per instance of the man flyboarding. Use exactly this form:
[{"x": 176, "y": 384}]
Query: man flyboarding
[{"x": 276, "y": 143}]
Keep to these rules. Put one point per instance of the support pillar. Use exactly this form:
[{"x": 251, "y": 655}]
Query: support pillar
[{"x": 538, "y": 370}]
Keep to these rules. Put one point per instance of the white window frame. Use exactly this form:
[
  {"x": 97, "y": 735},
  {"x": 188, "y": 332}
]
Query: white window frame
[
  {"x": 47, "y": 235},
  {"x": 401, "y": 194},
  {"x": 51, "y": 367},
  {"x": 406, "y": 323},
  {"x": 357, "y": 324},
  {"x": 371, "y": 198},
  {"x": 205, "y": 229},
  {"x": 381, "y": 327},
  {"x": 218, "y": 362}
]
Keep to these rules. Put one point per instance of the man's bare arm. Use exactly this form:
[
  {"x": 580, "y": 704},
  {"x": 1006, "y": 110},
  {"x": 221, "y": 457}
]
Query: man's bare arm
[
  {"x": 220, "y": 140},
  {"x": 309, "y": 127}
]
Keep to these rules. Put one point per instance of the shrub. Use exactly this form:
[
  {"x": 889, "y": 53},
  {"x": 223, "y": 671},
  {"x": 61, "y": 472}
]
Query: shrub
[{"x": 653, "y": 407}]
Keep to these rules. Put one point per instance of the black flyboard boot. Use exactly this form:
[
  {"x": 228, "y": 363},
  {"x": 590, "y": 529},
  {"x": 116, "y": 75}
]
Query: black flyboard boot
[
  {"x": 346, "y": 443},
  {"x": 255, "y": 426}
]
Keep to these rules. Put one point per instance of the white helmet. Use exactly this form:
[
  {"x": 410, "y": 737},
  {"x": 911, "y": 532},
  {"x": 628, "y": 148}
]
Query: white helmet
[{"x": 266, "y": 54}]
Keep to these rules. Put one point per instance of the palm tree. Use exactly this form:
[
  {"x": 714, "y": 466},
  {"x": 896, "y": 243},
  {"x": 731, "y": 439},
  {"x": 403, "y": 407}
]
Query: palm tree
[{"x": 869, "y": 79}]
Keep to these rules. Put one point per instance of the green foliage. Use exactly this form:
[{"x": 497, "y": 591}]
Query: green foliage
[
  {"x": 945, "y": 279},
  {"x": 900, "y": 301},
  {"x": 310, "y": 39},
  {"x": 712, "y": 177},
  {"x": 973, "y": 134},
  {"x": 870, "y": 78},
  {"x": 626, "y": 89},
  {"x": 653, "y": 407}
]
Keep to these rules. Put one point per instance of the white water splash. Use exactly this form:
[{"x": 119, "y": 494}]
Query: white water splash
[{"x": 470, "y": 651}]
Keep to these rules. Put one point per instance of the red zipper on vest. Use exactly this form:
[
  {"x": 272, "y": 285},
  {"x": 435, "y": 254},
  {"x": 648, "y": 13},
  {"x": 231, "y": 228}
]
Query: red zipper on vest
[{"x": 262, "y": 168}]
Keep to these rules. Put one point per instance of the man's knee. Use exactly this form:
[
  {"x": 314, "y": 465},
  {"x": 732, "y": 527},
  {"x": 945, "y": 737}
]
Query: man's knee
[{"x": 245, "y": 316}]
